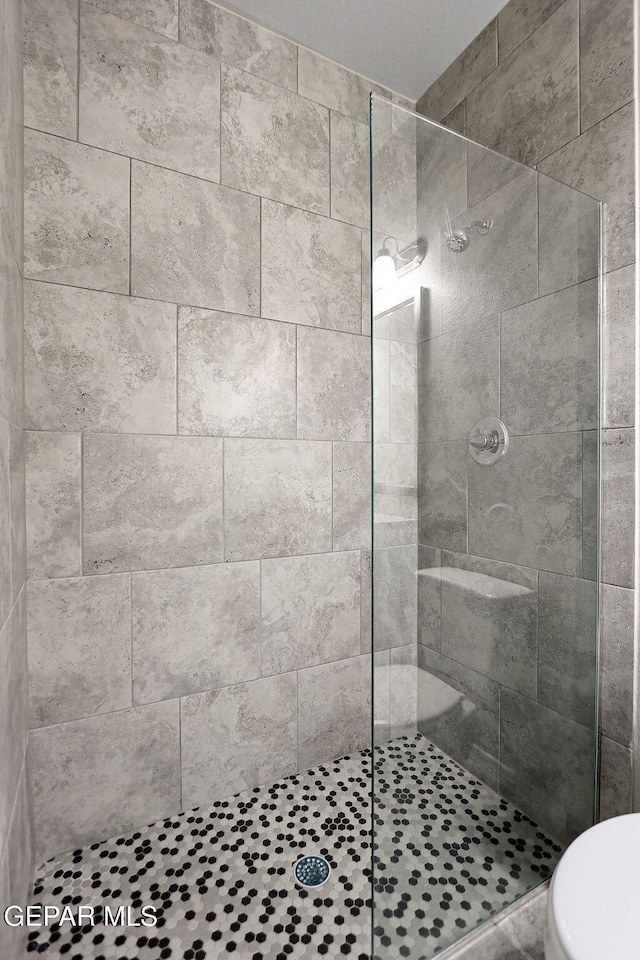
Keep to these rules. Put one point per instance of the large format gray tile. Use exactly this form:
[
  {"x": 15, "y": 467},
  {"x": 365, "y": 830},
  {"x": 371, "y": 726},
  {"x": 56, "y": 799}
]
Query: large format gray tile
[
  {"x": 6, "y": 598},
  {"x": 590, "y": 504},
  {"x": 194, "y": 629},
  {"x": 194, "y": 242},
  {"x": 616, "y": 779},
  {"x": 11, "y": 346},
  {"x": 151, "y": 502},
  {"x": 52, "y": 490},
  {"x": 617, "y": 506},
  {"x": 463, "y": 719},
  {"x": 310, "y": 610},
  {"x": 51, "y": 66},
  {"x": 459, "y": 381},
  {"x": 366, "y": 601},
  {"x": 619, "y": 348},
  {"x": 616, "y": 695},
  {"x": 277, "y": 498},
  {"x": 78, "y": 801},
  {"x": 148, "y": 97},
  {"x": 98, "y": 361},
  {"x": 600, "y": 163},
  {"x": 76, "y": 214},
  {"x": 158, "y": 15},
  {"x": 331, "y": 84},
  {"x": 395, "y": 596},
  {"x": 14, "y": 707},
  {"x": 498, "y": 270},
  {"x": 311, "y": 269},
  {"x": 351, "y": 496},
  {"x": 17, "y": 509},
  {"x": 334, "y": 710},
  {"x": 381, "y": 390},
  {"x": 334, "y": 393},
  {"x": 403, "y": 383},
  {"x": 549, "y": 362},
  {"x": 518, "y": 20},
  {"x": 567, "y": 639},
  {"x": 237, "y": 41},
  {"x": 529, "y": 106},
  {"x": 527, "y": 509},
  {"x": 79, "y": 636},
  {"x": 349, "y": 170},
  {"x": 473, "y": 65},
  {"x": 429, "y": 597},
  {"x": 236, "y": 375},
  {"x": 274, "y": 143},
  {"x": 606, "y": 58},
  {"x": 547, "y": 765},
  {"x": 568, "y": 236},
  {"x": 442, "y": 495},
  {"x": 393, "y": 190},
  {"x": 238, "y": 737}
]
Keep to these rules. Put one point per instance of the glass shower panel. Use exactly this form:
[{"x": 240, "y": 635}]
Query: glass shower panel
[{"x": 486, "y": 402}]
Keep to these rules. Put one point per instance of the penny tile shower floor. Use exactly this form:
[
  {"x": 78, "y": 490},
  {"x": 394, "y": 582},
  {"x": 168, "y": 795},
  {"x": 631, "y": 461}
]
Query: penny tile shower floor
[{"x": 450, "y": 853}]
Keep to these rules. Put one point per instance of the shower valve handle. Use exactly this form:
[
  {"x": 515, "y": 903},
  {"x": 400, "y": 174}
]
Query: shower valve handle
[{"x": 485, "y": 441}]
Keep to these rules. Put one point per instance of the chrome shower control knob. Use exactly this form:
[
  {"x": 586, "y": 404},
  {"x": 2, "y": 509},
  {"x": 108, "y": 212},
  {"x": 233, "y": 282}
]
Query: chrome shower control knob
[{"x": 488, "y": 441}]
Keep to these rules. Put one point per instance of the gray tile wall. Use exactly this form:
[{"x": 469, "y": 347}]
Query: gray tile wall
[
  {"x": 552, "y": 84},
  {"x": 198, "y": 409},
  {"x": 16, "y": 850}
]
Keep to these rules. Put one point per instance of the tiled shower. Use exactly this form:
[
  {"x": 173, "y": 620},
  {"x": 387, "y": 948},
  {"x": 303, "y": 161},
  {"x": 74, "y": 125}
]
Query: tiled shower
[{"x": 186, "y": 473}]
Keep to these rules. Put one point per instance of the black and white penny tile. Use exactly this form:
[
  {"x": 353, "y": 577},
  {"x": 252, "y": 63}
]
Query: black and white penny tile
[{"x": 449, "y": 854}]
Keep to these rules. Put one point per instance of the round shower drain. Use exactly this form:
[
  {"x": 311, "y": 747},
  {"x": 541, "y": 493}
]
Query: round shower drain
[{"x": 311, "y": 871}]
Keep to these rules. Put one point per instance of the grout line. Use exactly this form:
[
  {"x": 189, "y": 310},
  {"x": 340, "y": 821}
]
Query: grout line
[{"x": 130, "y": 223}]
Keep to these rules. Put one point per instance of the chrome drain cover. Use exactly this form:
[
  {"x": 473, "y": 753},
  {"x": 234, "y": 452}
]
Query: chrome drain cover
[{"x": 311, "y": 871}]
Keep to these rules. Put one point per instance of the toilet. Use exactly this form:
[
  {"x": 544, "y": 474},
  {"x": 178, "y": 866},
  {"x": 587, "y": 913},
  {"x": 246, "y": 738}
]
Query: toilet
[{"x": 594, "y": 898}]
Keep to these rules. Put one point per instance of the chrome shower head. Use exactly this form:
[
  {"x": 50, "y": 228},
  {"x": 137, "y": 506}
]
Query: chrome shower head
[{"x": 458, "y": 240}]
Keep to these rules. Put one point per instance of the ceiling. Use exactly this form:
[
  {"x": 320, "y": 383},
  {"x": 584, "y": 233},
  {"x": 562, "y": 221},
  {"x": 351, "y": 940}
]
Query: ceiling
[{"x": 402, "y": 44}]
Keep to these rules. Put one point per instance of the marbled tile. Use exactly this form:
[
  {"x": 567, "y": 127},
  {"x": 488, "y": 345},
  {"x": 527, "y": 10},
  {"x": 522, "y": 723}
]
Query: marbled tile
[
  {"x": 403, "y": 691},
  {"x": 349, "y": 170},
  {"x": 381, "y": 390},
  {"x": 441, "y": 181},
  {"x": 365, "y": 263},
  {"x": 498, "y": 270},
  {"x": 527, "y": 509},
  {"x": 616, "y": 693},
  {"x": 519, "y": 19},
  {"x": 380, "y": 691},
  {"x": 51, "y": 66},
  {"x": 137, "y": 779},
  {"x": 11, "y": 120},
  {"x": 20, "y": 848},
  {"x": 429, "y": 598},
  {"x": 151, "y": 502},
  {"x": 462, "y": 717},
  {"x": 403, "y": 375},
  {"x": 334, "y": 392},
  {"x": 76, "y": 214},
  {"x": 458, "y": 380},
  {"x": 442, "y": 495},
  {"x": 395, "y": 466},
  {"x": 334, "y": 710},
  {"x": 606, "y": 58},
  {"x": 547, "y": 764},
  {"x": 456, "y": 119},
  {"x": 567, "y": 640},
  {"x": 393, "y": 190},
  {"x": 616, "y": 779},
  {"x": 351, "y": 496},
  {"x": 236, "y": 375},
  {"x": 238, "y": 737},
  {"x": 402, "y": 321},
  {"x": 600, "y": 163},
  {"x": 274, "y": 143},
  {"x": 17, "y": 507},
  {"x": 395, "y": 596},
  {"x": 239, "y": 42},
  {"x": 549, "y": 362},
  {"x": 529, "y": 106},
  {"x": 366, "y": 601},
  {"x": 311, "y": 269},
  {"x": 489, "y": 619},
  {"x": 619, "y": 347},
  {"x": 568, "y": 236},
  {"x": 6, "y": 598},
  {"x": 79, "y": 637},
  {"x": 473, "y": 65},
  {"x": 161, "y": 16},
  {"x": 52, "y": 485},
  {"x": 98, "y": 361},
  {"x": 310, "y": 610},
  {"x": 617, "y": 506},
  {"x": 590, "y": 504},
  {"x": 11, "y": 346},
  {"x": 13, "y": 708},
  {"x": 194, "y": 242},
  {"x": 524, "y": 924},
  {"x": 148, "y": 97},
  {"x": 194, "y": 629},
  {"x": 277, "y": 498},
  {"x": 487, "y": 172},
  {"x": 331, "y": 84}
]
